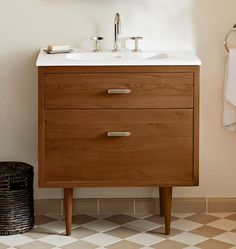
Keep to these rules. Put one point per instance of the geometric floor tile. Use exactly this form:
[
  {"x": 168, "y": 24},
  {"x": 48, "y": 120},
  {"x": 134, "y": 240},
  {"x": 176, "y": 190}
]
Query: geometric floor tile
[
  {"x": 191, "y": 247},
  {"x": 15, "y": 240},
  {"x": 169, "y": 244},
  {"x": 207, "y": 231},
  {"x": 42, "y": 219},
  {"x": 38, "y": 232},
  {"x": 99, "y": 216},
  {"x": 202, "y": 218},
  {"x": 223, "y": 224},
  {"x": 124, "y": 245},
  {"x": 58, "y": 240},
  {"x": 121, "y": 232},
  {"x": 36, "y": 245},
  {"x": 231, "y": 217},
  {"x": 227, "y": 237},
  {"x": 82, "y": 219},
  {"x": 57, "y": 226},
  {"x": 182, "y": 215},
  {"x": 214, "y": 244},
  {"x": 158, "y": 219},
  {"x": 57, "y": 216},
  {"x": 100, "y": 225},
  {"x": 142, "y": 225},
  {"x": 185, "y": 225},
  {"x": 140, "y": 215},
  {"x": 120, "y": 219},
  {"x": 145, "y": 239},
  {"x": 160, "y": 231},
  {"x": 146, "y": 247},
  {"x": 101, "y": 239},
  {"x": 82, "y": 232},
  {"x": 189, "y": 238},
  {"x": 221, "y": 215},
  {"x": 79, "y": 245}
]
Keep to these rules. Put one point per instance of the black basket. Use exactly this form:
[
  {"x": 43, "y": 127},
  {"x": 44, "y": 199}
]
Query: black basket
[{"x": 16, "y": 198}]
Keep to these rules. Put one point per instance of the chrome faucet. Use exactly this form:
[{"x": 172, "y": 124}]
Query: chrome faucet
[{"x": 117, "y": 29}]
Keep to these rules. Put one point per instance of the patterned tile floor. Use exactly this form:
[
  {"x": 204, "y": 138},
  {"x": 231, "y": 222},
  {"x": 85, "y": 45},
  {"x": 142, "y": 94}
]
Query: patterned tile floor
[{"x": 189, "y": 231}]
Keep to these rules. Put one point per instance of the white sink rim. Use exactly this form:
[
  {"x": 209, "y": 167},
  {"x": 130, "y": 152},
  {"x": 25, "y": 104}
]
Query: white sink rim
[{"x": 145, "y": 58}]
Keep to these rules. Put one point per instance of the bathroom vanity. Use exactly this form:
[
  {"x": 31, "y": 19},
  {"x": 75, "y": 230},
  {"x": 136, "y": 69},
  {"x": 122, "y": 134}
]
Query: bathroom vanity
[{"x": 118, "y": 120}]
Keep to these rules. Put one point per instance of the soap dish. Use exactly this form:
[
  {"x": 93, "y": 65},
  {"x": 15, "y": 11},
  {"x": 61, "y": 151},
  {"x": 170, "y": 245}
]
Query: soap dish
[{"x": 58, "y": 51}]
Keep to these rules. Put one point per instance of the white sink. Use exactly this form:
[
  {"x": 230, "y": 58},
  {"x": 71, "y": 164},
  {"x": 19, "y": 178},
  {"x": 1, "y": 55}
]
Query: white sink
[
  {"x": 144, "y": 58},
  {"x": 107, "y": 56}
]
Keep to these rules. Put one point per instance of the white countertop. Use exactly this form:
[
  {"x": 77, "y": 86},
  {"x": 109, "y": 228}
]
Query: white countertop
[{"x": 144, "y": 58}]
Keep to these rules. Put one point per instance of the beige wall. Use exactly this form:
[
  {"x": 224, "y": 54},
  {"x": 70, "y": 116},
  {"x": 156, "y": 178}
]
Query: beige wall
[{"x": 26, "y": 26}]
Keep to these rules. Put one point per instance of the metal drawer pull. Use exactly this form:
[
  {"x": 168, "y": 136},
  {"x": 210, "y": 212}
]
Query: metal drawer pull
[
  {"x": 118, "y": 134},
  {"x": 119, "y": 91}
]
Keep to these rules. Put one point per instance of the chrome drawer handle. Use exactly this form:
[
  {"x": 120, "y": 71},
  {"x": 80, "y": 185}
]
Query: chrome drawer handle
[
  {"x": 119, "y": 91},
  {"x": 118, "y": 134}
]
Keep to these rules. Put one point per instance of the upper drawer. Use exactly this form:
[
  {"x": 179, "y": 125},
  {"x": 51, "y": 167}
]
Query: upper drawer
[{"x": 135, "y": 90}]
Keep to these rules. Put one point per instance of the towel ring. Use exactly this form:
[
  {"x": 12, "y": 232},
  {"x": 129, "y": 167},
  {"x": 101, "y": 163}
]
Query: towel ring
[{"x": 227, "y": 37}]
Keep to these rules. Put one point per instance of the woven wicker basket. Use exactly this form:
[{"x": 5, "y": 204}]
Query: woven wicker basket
[{"x": 16, "y": 198}]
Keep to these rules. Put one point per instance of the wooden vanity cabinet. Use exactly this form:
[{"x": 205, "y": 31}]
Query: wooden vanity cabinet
[{"x": 119, "y": 126}]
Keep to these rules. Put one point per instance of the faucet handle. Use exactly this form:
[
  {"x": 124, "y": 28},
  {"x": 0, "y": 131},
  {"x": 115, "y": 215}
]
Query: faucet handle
[
  {"x": 97, "y": 39},
  {"x": 136, "y": 40}
]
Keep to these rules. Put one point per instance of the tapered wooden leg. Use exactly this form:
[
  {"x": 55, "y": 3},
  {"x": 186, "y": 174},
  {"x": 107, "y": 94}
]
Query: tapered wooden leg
[
  {"x": 167, "y": 203},
  {"x": 162, "y": 207},
  {"x": 68, "y": 200}
]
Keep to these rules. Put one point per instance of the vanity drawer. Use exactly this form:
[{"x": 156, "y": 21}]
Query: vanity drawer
[
  {"x": 155, "y": 146},
  {"x": 118, "y": 90}
]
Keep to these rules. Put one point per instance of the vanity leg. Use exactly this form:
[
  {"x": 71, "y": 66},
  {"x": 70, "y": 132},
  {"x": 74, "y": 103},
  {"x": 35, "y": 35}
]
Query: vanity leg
[
  {"x": 68, "y": 200},
  {"x": 162, "y": 207},
  {"x": 167, "y": 202}
]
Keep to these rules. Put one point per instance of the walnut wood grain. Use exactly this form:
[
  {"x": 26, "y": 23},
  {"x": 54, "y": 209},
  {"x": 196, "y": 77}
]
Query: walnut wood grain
[
  {"x": 162, "y": 206},
  {"x": 196, "y": 126},
  {"x": 166, "y": 204},
  {"x": 41, "y": 135},
  {"x": 159, "y": 148},
  {"x": 68, "y": 202},
  {"x": 120, "y": 69},
  {"x": 148, "y": 90}
]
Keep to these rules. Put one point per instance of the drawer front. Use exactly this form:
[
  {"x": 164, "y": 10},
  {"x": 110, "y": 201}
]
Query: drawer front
[
  {"x": 118, "y": 90},
  {"x": 118, "y": 145}
]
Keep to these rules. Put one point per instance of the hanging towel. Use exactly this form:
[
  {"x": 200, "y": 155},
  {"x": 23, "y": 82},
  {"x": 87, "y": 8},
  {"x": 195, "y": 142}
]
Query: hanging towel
[{"x": 229, "y": 112}]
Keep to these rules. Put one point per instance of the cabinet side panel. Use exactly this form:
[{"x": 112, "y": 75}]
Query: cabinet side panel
[
  {"x": 41, "y": 126},
  {"x": 196, "y": 125}
]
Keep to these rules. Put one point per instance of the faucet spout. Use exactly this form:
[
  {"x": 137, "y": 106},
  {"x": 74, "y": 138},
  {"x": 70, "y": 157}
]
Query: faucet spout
[{"x": 117, "y": 29}]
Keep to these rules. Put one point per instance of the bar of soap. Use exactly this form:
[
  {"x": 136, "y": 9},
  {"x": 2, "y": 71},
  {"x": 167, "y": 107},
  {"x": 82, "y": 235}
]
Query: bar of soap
[{"x": 58, "y": 47}]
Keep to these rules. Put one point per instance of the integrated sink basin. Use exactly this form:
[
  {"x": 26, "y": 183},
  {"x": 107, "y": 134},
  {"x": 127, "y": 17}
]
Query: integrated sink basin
[
  {"x": 117, "y": 56},
  {"x": 143, "y": 58}
]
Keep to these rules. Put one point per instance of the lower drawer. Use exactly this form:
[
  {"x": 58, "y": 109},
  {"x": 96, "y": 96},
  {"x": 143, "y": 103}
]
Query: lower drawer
[{"x": 153, "y": 146}]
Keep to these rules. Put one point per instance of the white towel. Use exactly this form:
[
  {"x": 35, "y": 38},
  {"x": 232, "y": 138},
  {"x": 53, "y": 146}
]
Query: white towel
[{"x": 229, "y": 112}]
